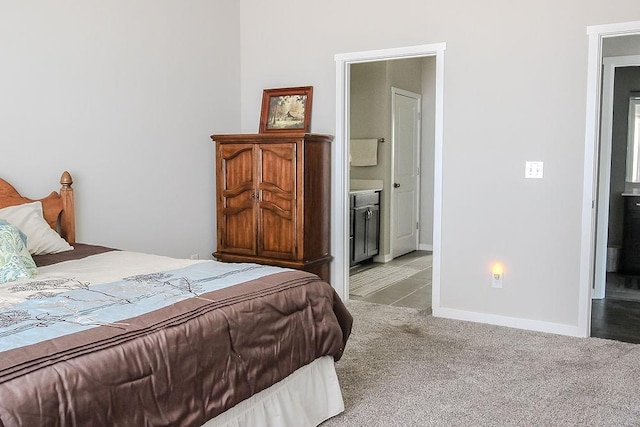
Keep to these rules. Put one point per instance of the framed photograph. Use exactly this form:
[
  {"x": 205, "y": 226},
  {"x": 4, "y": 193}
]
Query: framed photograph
[{"x": 286, "y": 110}]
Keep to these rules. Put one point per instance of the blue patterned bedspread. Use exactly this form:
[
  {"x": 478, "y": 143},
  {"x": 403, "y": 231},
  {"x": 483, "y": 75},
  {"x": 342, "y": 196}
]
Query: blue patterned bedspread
[{"x": 37, "y": 310}]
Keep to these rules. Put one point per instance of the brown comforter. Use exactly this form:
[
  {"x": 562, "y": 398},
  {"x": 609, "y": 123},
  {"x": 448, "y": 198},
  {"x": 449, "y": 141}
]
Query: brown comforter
[
  {"x": 80, "y": 250},
  {"x": 180, "y": 365}
]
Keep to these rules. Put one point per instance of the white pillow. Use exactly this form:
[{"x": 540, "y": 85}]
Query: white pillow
[{"x": 41, "y": 239}]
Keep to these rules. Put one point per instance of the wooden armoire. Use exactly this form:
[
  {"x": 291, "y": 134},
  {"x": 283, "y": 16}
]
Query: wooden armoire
[{"x": 274, "y": 200}]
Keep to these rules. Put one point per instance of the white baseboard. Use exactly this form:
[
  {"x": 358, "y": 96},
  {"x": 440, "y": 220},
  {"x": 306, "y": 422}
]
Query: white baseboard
[
  {"x": 511, "y": 322},
  {"x": 384, "y": 258},
  {"x": 388, "y": 257}
]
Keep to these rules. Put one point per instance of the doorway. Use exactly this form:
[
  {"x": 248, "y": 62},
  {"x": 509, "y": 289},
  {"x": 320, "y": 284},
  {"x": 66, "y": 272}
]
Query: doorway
[
  {"x": 341, "y": 172},
  {"x": 621, "y": 77},
  {"x": 615, "y": 312},
  {"x": 604, "y": 317}
]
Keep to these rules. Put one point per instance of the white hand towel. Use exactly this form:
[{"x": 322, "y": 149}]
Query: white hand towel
[{"x": 364, "y": 152}]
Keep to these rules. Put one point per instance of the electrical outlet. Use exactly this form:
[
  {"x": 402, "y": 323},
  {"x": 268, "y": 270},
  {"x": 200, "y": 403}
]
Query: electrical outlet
[
  {"x": 496, "y": 276},
  {"x": 533, "y": 170},
  {"x": 195, "y": 256},
  {"x": 496, "y": 280}
]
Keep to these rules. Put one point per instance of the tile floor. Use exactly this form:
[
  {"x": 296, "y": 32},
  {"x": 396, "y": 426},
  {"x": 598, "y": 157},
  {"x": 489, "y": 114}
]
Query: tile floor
[{"x": 412, "y": 292}]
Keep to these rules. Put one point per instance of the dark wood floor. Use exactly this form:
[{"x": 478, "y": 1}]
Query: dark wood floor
[
  {"x": 616, "y": 319},
  {"x": 617, "y": 316}
]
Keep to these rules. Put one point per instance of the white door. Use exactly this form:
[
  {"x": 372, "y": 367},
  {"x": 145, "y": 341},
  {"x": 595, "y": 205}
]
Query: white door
[{"x": 405, "y": 122}]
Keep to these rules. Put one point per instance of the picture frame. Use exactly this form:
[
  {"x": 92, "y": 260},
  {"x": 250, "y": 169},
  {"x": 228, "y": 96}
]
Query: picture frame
[{"x": 286, "y": 110}]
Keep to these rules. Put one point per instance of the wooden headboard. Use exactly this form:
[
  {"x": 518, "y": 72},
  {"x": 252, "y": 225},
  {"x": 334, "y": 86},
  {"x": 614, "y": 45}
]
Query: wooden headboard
[{"x": 57, "y": 207}]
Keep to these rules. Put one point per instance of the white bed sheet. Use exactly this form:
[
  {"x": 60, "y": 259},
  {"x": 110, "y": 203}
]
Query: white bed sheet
[
  {"x": 111, "y": 266},
  {"x": 305, "y": 398}
]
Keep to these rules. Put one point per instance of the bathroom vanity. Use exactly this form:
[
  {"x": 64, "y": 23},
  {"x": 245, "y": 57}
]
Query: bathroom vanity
[
  {"x": 364, "y": 221},
  {"x": 630, "y": 261}
]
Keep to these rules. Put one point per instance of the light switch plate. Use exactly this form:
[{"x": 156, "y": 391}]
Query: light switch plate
[{"x": 533, "y": 170}]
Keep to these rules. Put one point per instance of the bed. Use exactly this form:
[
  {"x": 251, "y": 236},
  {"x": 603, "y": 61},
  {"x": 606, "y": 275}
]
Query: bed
[{"x": 94, "y": 336}]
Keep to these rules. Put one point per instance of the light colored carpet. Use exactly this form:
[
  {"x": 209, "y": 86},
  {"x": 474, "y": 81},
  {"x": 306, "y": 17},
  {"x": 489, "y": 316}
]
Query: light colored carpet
[{"x": 402, "y": 367}]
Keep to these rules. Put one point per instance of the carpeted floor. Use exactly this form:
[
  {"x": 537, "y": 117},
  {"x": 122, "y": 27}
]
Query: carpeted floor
[{"x": 403, "y": 367}]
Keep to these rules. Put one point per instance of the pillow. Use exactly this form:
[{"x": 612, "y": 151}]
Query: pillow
[
  {"x": 22, "y": 235},
  {"x": 41, "y": 239},
  {"x": 15, "y": 260}
]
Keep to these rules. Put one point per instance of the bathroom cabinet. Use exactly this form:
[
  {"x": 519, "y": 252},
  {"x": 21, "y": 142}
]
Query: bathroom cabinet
[
  {"x": 364, "y": 236},
  {"x": 630, "y": 261}
]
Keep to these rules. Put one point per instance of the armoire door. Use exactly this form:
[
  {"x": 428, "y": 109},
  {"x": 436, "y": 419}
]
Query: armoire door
[
  {"x": 236, "y": 199},
  {"x": 277, "y": 219}
]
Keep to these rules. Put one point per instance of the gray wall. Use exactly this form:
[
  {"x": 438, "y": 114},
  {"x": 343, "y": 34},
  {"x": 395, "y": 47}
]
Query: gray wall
[
  {"x": 370, "y": 117},
  {"x": 370, "y": 113},
  {"x": 515, "y": 81},
  {"x": 124, "y": 95},
  {"x": 621, "y": 46}
]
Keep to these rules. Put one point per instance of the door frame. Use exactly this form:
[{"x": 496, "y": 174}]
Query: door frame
[
  {"x": 392, "y": 209},
  {"x": 604, "y": 169},
  {"x": 340, "y": 159},
  {"x": 596, "y": 35}
]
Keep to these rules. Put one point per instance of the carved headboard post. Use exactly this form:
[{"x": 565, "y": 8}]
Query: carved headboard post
[{"x": 67, "y": 217}]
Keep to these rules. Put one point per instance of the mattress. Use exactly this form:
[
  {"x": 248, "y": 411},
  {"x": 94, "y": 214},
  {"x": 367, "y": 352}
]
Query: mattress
[{"x": 123, "y": 338}]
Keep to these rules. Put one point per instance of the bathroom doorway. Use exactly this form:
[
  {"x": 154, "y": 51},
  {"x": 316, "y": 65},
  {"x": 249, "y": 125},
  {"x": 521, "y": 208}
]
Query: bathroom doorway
[
  {"x": 615, "y": 307},
  {"x": 385, "y": 61}
]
